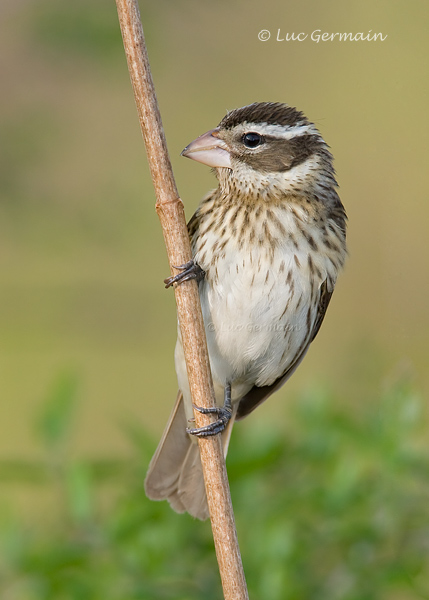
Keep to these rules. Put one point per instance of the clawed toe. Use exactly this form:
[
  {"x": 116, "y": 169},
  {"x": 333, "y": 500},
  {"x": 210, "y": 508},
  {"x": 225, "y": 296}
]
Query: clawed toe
[
  {"x": 213, "y": 428},
  {"x": 189, "y": 270},
  {"x": 224, "y": 414}
]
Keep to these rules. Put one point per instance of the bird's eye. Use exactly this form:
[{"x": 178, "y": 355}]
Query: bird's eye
[{"x": 252, "y": 139}]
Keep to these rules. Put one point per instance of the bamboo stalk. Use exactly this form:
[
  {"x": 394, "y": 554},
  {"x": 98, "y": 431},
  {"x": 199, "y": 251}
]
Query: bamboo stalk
[{"x": 171, "y": 214}]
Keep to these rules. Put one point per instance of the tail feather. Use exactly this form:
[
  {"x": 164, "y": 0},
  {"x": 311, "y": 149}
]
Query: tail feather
[{"x": 175, "y": 472}]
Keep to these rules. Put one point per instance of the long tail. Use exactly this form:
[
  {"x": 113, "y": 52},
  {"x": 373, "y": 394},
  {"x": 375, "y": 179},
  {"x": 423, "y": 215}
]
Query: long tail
[{"x": 175, "y": 472}]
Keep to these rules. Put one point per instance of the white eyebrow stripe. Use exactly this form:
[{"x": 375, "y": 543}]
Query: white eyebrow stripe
[{"x": 282, "y": 131}]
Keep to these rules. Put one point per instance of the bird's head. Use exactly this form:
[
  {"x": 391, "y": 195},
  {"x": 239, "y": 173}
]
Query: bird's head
[{"x": 266, "y": 149}]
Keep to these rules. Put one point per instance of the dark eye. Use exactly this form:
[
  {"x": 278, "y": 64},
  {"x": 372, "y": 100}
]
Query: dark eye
[{"x": 252, "y": 139}]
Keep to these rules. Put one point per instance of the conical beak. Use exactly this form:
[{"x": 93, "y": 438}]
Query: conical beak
[{"x": 209, "y": 150}]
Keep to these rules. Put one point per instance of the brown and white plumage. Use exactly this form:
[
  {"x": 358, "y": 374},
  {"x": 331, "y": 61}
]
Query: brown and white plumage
[{"x": 271, "y": 242}]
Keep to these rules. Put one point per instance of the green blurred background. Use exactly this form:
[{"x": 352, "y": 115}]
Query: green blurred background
[{"x": 87, "y": 330}]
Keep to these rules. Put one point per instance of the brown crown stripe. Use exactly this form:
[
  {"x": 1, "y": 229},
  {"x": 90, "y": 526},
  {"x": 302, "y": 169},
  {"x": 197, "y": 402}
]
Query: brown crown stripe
[{"x": 272, "y": 113}]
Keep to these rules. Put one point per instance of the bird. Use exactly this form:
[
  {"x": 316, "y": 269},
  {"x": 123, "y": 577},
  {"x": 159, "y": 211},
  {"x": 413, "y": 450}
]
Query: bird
[{"x": 268, "y": 245}]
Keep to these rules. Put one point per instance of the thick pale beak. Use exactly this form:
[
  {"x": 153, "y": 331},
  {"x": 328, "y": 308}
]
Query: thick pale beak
[{"x": 209, "y": 150}]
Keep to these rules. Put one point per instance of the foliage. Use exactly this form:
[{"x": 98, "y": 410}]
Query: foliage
[{"x": 334, "y": 505}]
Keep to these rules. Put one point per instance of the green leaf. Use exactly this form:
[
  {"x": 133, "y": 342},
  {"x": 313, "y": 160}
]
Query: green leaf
[{"x": 55, "y": 420}]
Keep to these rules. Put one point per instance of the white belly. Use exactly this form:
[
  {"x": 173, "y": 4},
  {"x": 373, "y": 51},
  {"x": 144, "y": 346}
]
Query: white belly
[{"x": 256, "y": 317}]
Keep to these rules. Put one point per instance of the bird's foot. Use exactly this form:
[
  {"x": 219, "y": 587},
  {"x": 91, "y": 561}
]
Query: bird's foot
[
  {"x": 224, "y": 414},
  {"x": 189, "y": 270}
]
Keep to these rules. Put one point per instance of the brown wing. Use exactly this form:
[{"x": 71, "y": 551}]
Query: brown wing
[{"x": 257, "y": 395}]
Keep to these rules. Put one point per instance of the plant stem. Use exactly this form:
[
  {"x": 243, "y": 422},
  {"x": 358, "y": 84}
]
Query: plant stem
[{"x": 172, "y": 216}]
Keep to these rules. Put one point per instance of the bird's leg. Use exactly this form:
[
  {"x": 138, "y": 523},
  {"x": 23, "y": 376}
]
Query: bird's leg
[
  {"x": 224, "y": 414},
  {"x": 189, "y": 270}
]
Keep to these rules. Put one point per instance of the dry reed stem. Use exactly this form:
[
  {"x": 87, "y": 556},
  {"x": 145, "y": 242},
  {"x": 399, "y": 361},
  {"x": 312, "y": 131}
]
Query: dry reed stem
[{"x": 171, "y": 214}]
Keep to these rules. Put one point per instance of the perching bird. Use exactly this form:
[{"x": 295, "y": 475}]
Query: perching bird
[{"x": 268, "y": 244}]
